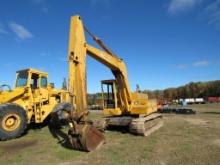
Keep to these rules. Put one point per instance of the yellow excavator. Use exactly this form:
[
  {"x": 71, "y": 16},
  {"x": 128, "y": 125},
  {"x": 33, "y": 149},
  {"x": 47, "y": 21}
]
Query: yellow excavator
[
  {"x": 121, "y": 106},
  {"x": 33, "y": 99}
]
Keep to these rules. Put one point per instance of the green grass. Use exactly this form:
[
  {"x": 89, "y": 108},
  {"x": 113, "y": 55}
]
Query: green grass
[
  {"x": 184, "y": 139},
  {"x": 1, "y": 152}
]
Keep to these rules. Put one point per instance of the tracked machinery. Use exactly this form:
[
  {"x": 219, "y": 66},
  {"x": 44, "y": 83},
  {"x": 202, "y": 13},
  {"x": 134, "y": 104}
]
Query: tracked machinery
[
  {"x": 33, "y": 99},
  {"x": 121, "y": 106}
]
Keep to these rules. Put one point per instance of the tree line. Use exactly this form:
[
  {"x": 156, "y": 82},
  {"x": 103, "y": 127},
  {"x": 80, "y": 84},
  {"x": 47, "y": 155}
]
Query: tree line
[{"x": 190, "y": 90}]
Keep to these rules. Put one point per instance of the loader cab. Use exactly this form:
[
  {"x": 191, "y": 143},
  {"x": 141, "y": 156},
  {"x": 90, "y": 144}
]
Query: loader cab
[
  {"x": 109, "y": 97},
  {"x": 31, "y": 78},
  {"x": 37, "y": 83}
]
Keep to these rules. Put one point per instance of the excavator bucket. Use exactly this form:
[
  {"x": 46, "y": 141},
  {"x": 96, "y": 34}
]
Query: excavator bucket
[
  {"x": 85, "y": 137},
  {"x": 82, "y": 134}
]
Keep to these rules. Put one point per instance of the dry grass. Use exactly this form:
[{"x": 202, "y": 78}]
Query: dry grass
[{"x": 184, "y": 139}]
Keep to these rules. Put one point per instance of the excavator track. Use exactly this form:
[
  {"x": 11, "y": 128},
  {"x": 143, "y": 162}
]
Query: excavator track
[
  {"x": 143, "y": 125},
  {"x": 146, "y": 125}
]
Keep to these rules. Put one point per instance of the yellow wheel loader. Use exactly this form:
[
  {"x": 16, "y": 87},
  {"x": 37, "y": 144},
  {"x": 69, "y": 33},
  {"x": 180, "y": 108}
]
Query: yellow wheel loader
[{"x": 31, "y": 100}]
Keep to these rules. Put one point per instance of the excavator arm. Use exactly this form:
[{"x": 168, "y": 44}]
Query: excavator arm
[
  {"x": 77, "y": 65},
  {"x": 78, "y": 50},
  {"x": 118, "y": 68}
]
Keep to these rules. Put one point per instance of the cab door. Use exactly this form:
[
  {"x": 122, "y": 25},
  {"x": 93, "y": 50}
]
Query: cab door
[
  {"x": 44, "y": 93},
  {"x": 39, "y": 88},
  {"x": 109, "y": 97},
  {"x": 34, "y": 84}
]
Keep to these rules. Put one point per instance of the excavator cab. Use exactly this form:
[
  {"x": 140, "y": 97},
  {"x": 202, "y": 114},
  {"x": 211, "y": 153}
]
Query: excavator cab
[
  {"x": 109, "y": 98},
  {"x": 109, "y": 94}
]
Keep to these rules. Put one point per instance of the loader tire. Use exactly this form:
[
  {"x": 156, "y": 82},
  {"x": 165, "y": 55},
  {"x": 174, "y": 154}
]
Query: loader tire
[{"x": 13, "y": 121}]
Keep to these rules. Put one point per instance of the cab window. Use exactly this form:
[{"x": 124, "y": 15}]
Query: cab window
[
  {"x": 22, "y": 78},
  {"x": 108, "y": 93},
  {"x": 43, "y": 82}
]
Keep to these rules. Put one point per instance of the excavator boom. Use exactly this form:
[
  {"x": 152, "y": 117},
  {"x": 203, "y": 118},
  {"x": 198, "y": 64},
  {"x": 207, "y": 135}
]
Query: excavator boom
[
  {"x": 82, "y": 135},
  {"x": 78, "y": 49},
  {"x": 77, "y": 65}
]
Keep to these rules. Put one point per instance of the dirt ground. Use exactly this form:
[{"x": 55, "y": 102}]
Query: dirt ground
[{"x": 183, "y": 139}]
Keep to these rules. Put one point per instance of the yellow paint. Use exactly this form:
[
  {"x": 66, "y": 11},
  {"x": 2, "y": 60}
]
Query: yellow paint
[
  {"x": 112, "y": 112},
  {"x": 11, "y": 122}
]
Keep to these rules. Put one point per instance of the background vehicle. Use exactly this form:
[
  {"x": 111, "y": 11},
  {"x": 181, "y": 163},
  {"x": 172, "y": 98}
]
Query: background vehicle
[{"x": 31, "y": 100}]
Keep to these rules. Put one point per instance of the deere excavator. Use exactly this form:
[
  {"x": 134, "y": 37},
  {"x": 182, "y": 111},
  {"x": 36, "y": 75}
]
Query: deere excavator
[{"x": 33, "y": 99}]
